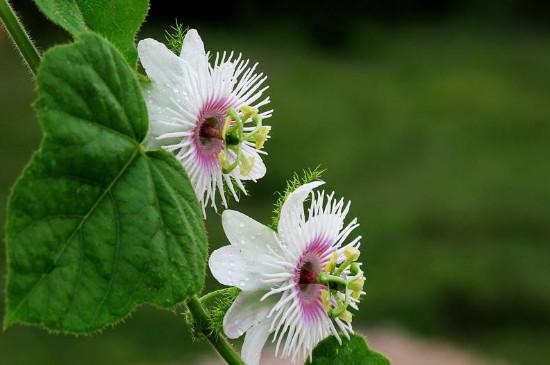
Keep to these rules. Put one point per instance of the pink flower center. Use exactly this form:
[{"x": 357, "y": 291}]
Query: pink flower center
[
  {"x": 207, "y": 135},
  {"x": 310, "y": 265},
  {"x": 310, "y": 270}
]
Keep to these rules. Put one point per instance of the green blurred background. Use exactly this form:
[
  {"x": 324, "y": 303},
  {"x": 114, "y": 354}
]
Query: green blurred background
[{"x": 433, "y": 117}]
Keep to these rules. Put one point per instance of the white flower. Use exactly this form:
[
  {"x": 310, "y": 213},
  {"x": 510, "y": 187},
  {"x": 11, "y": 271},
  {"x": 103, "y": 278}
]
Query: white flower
[
  {"x": 188, "y": 101},
  {"x": 285, "y": 277}
]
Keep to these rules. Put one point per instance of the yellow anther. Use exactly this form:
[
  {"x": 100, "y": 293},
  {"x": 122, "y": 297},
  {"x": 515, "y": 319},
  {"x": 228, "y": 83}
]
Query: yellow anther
[
  {"x": 248, "y": 112},
  {"x": 331, "y": 265},
  {"x": 326, "y": 300},
  {"x": 351, "y": 253},
  {"x": 357, "y": 284},
  {"x": 346, "y": 316},
  {"x": 247, "y": 167},
  {"x": 357, "y": 287},
  {"x": 262, "y": 136}
]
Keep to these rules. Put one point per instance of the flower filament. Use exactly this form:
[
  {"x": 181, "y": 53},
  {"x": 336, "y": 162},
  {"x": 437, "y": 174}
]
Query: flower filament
[
  {"x": 339, "y": 285},
  {"x": 233, "y": 135}
]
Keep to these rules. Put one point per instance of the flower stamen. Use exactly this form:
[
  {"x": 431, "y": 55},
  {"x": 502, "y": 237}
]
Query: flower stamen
[
  {"x": 233, "y": 135},
  {"x": 341, "y": 283}
]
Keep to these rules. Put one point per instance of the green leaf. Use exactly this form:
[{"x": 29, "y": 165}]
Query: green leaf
[
  {"x": 116, "y": 20},
  {"x": 352, "y": 352},
  {"x": 96, "y": 225}
]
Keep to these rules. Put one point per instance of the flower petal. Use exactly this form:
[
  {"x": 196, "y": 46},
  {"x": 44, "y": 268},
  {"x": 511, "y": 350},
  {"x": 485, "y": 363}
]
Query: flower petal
[
  {"x": 192, "y": 51},
  {"x": 242, "y": 230},
  {"x": 247, "y": 311},
  {"x": 228, "y": 266},
  {"x": 253, "y": 252},
  {"x": 292, "y": 213},
  {"x": 233, "y": 267},
  {"x": 161, "y": 65},
  {"x": 254, "y": 342}
]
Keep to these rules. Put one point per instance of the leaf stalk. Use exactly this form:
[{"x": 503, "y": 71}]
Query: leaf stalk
[{"x": 19, "y": 36}]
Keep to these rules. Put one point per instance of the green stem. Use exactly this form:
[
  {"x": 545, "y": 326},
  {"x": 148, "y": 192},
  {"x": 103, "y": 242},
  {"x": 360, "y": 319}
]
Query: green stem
[
  {"x": 325, "y": 278},
  {"x": 19, "y": 36},
  {"x": 217, "y": 340},
  {"x": 211, "y": 295}
]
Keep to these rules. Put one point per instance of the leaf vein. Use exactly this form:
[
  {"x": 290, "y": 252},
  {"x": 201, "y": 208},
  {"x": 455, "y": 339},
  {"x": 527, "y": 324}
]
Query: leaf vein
[
  {"x": 78, "y": 227},
  {"x": 115, "y": 262}
]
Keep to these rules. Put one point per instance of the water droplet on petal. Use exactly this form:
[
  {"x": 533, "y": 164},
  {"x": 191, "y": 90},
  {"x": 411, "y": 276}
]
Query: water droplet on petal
[
  {"x": 241, "y": 283},
  {"x": 241, "y": 225}
]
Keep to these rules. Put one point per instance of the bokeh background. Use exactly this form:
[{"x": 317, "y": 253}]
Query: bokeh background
[{"x": 433, "y": 117}]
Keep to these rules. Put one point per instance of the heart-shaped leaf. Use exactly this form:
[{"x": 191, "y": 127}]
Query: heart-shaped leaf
[
  {"x": 116, "y": 20},
  {"x": 96, "y": 225},
  {"x": 352, "y": 352}
]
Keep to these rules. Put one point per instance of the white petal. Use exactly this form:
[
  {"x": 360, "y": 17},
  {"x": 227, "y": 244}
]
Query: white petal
[
  {"x": 227, "y": 265},
  {"x": 233, "y": 266},
  {"x": 192, "y": 50},
  {"x": 242, "y": 230},
  {"x": 161, "y": 65},
  {"x": 292, "y": 211},
  {"x": 253, "y": 252},
  {"x": 246, "y": 311},
  {"x": 254, "y": 342}
]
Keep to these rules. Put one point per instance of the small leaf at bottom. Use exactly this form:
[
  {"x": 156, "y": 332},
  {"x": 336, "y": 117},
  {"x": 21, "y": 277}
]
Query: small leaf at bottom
[{"x": 352, "y": 352}]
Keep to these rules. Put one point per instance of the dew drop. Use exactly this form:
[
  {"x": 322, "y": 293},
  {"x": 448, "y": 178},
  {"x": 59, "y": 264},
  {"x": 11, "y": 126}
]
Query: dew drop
[
  {"x": 241, "y": 225},
  {"x": 241, "y": 283}
]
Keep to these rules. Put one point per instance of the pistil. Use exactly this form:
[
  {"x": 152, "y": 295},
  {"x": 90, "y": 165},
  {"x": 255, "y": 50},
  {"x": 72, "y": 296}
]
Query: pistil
[{"x": 208, "y": 131}]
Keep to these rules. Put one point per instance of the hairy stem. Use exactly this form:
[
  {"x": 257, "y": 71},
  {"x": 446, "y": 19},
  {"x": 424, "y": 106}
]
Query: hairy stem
[
  {"x": 216, "y": 293},
  {"x": 217, "y": 340},
  {"x": 19, "y": 36}
]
